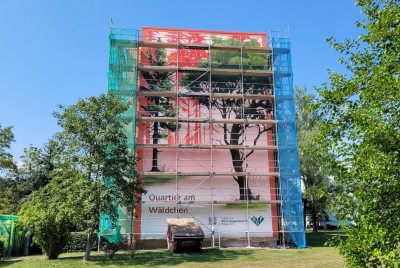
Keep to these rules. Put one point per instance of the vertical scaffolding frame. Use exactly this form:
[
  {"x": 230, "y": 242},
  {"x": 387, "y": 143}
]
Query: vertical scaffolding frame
[
  {"x": 122, "y": 82},
  {"x": 289, "y": 169},
  {"x": 127, "y": 63}
]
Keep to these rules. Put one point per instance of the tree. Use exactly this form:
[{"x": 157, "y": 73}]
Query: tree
[
  {"x": 37, "y": 166},
  {"x": 94, "y": 144},
  {"x": 17, "y": 183},
  {"x": 33, "y": 174},
  {"x": 233, "y": 134},
  {"x": 361, "y": 118},
  {"x": 7, "y": 172},
  {"x": 314, "y": 158},
  {"x": 51, "y": 211},
  {"x": 158, "y": 106},
  {"x": 6, "y": 160},
  {"x": 8, "y": 200}
]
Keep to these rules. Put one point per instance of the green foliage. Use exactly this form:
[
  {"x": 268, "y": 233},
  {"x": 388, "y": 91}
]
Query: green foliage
[
  {"x": 95, "y": 145},
  {"x": 9, "y": 198},
  {"x": 34, "y": 173},
  {"x": 8, "y": 169},
  {"x": 38, "y": 165},
  {"x": 325, "y": 238},
  {"x": 6, "y": 137},
  {"x": 314, "y": 158},
  {"x": 231, "y": 59},
  {"x": 78, "y": 242},
  {"x": 231, "y": 108},
  {"x": 235, "y": 108},
  {"x": 51, "y": 212},
  {"x": 361, "y": 127},
  {"x": 87, "y": 169}
]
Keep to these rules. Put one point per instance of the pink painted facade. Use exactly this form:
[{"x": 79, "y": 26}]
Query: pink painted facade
[{"x": 196, "y": 175}]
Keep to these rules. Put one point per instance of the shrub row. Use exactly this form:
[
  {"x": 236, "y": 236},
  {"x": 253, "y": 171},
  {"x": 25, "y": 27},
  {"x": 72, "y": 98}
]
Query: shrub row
[{"x": 78, "y": 242}]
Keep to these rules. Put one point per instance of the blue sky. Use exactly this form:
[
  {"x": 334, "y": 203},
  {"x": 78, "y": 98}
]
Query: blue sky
[{"x": 55, "y": 52}]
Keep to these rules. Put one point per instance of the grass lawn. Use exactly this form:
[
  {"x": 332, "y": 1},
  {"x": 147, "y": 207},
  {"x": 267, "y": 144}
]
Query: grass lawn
[{"x": 315, "y": 256}]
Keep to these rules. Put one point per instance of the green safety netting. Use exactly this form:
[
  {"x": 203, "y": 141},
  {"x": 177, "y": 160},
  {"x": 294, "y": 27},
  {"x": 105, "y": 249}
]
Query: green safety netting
[
  {"x": 14, "y": 237},
  {"x": 122, "y": 81},
  {"x": 120, "y": 230}
]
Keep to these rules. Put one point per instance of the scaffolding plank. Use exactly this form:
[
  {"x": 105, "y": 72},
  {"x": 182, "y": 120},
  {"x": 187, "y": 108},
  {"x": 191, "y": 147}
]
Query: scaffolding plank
[
  {"x": 215, "y": 202},
  {"x": 226, "y": 71},
  {"x": 240, "y": 96},
  {"x": 258, "y": 72},
  {"x": 123, "y": 92},
  {"x": 170, "y": 119},
  {"x": 157, "y": 44},
  {"x": 242, "y": 48},
  {"x": 148, "y": 68},
  {"x": 123, "y": 43},
  {"x": 208, "y": 146},
  {"x": 204, "y": 46},
  {"x": 281, "y": 50},
  {"x": 120, "y": 68},
  {"x": 149, "y": 93},
  {"x": 205, "y": 120},
  {"x": 257, "y": 49},
  {"x": 258, "y": 97},
  {"x": 193, "y": 46},
  {"x": 169, "y": 173}
]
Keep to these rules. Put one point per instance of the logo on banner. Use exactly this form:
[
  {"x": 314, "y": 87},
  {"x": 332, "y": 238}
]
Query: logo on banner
[{"x": 258, "y": 220}]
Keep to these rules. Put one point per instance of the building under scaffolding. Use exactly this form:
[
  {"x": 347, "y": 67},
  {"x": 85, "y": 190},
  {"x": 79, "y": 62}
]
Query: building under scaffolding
[{"x": 212, "y": 121}]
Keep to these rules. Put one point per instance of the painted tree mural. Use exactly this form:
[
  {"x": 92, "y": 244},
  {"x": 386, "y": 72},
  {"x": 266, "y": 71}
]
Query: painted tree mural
[
  {"x": 234, "y": 133},
  {"x": 158, "y": 106}
]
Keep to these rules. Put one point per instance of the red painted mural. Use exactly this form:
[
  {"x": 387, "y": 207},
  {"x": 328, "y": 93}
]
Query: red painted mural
[{"x": 214, "y": 164}]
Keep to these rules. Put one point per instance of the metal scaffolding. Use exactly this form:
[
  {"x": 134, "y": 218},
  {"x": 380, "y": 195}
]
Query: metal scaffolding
[{"x": 213, "y": 124}]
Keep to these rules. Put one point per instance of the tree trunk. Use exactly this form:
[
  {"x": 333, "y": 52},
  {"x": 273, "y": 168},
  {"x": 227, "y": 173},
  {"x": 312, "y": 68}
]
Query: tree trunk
[
  {"x": 304, "y": 212},
  {"x": 131, "y": 225},
  {"x": 154, "y": 166},
  {"x": 315, "y": 221},
  {"x": 237, "y": 162},
  {"x": 245, "y": 192},
  {"x": 52, "y": 251},
  {"x": 52, "y": 255},
  {"x": 86, "y": 257},
  {"x": 156, "y": 137}
]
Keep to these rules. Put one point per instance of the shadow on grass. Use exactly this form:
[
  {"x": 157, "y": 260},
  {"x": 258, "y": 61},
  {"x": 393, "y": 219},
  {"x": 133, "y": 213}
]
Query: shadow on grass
[
  {"x": 164, "y": 257},
  {"x": 322, "y": 237},
  {"x": 7, "y": 262}
]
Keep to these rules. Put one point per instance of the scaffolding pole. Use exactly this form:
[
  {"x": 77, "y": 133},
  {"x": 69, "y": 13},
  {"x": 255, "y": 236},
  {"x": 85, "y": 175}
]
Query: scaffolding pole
[{"x": 186, "y": 73}]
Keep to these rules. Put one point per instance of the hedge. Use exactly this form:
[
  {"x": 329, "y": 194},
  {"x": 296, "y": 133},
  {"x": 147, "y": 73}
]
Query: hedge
[{"x": 78, "y": 242}]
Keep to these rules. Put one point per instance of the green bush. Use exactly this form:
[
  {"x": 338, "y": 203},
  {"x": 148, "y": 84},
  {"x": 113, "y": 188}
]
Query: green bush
[
  {"x": 2, "y": 242},
  {"x": 78, "y": 242}
]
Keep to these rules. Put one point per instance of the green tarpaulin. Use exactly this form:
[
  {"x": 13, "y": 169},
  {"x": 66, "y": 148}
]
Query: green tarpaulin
[{"x": 14, "y": 238}]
